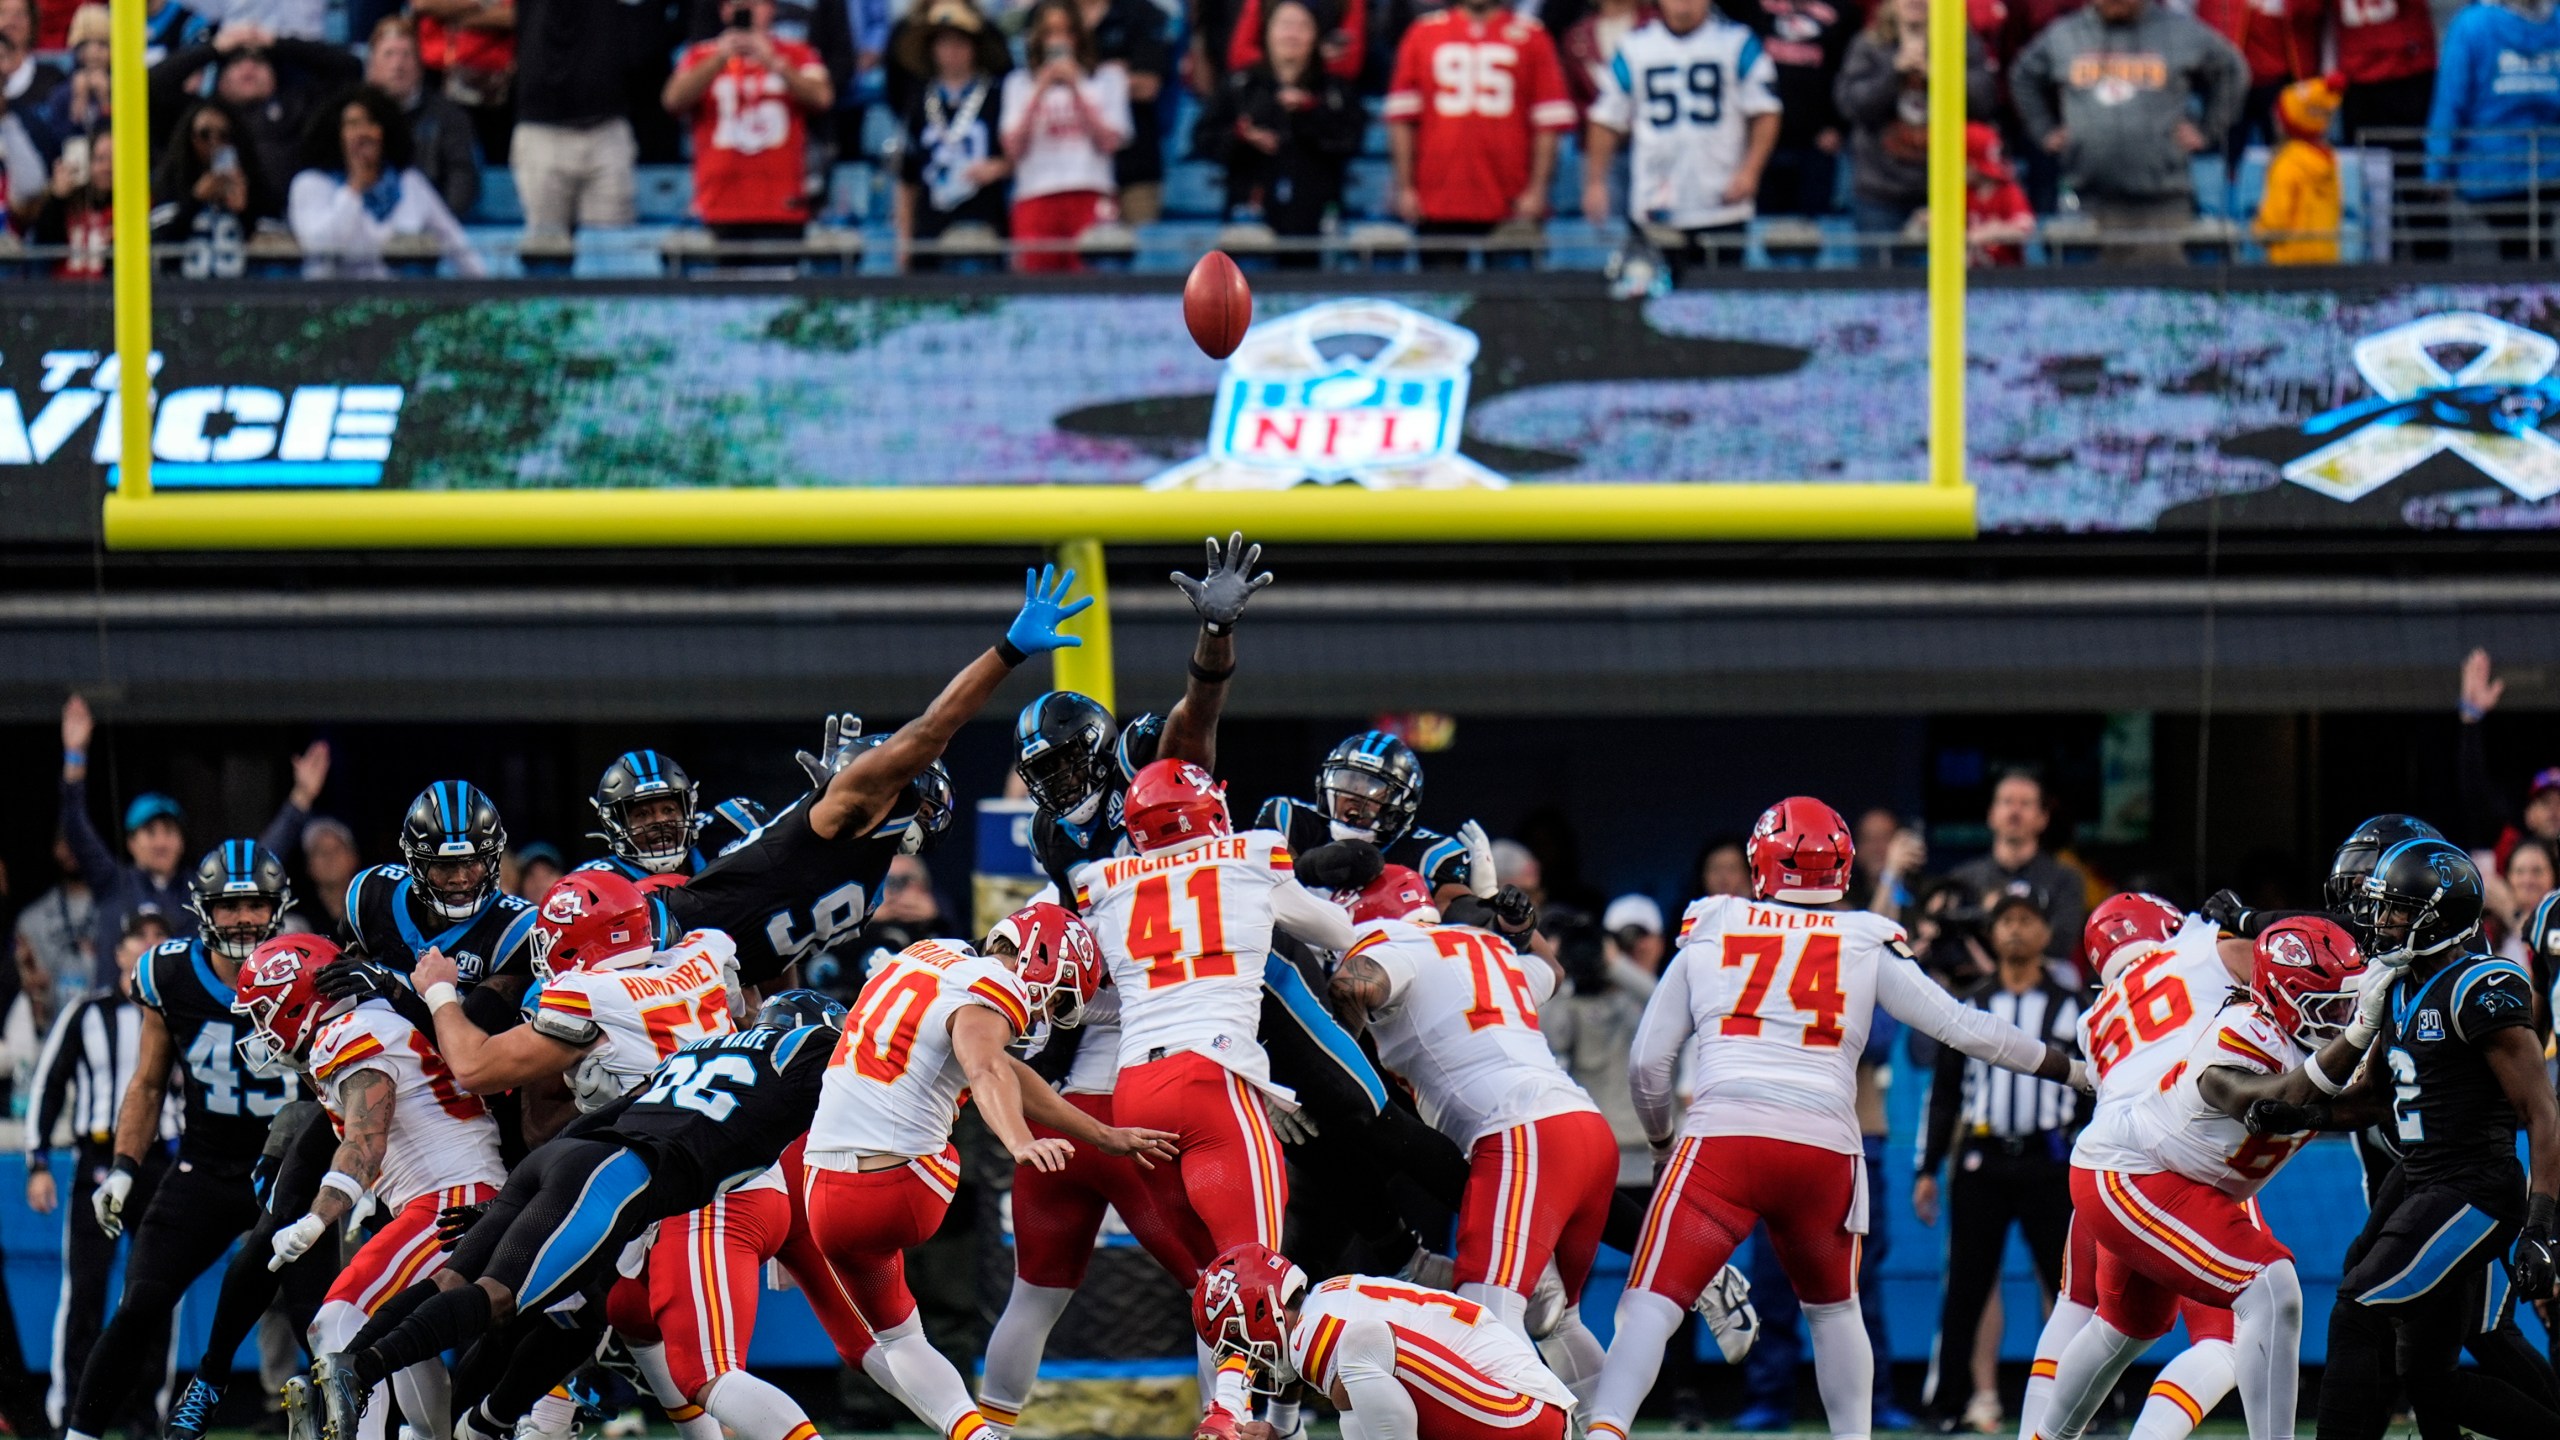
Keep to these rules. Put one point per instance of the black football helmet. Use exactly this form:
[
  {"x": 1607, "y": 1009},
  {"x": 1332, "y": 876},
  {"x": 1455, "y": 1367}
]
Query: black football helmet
[
  {"x": 732, "y": 823},
  {"x": 1370, "y": 788},
  {"x": 660, "y": 847},
  {"x": 1062, "y": 749},
  {"x": 927, "y": 811},
  {"x": 2542, "y": 937},
  {"x": 238, "y": 870},
  {"x": 1140, "y": 740},
  {"x": 2356, "y": 854},
  {"x": 2428, "y": 893},
  {"x": 791, "y": 1009},
  {"x": 449, "y": 822}
]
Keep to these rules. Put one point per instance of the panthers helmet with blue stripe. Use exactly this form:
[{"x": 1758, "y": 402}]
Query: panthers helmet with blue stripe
[
  {"x": 662, "y": 843},
  {"x": 732, "y": 823},
  {"x": 926, "y": 812},
  {"x": 450, "y": 827},
  {"x": 1062, "y": 749},
  {"x": 2424, "y": 897},
  {"x": 2358, "y": 852},
  {"x": 238, "y": 870},
  {"x": 1371, "y": 788},
  {"x": 792, "y": 1009}
]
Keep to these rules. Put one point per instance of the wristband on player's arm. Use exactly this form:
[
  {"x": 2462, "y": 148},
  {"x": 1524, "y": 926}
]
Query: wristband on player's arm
[
  {"x": 1011, "y": 654},
  {"x": 126, "y": 1165},
  {"x": 2541, "y": 1215}
]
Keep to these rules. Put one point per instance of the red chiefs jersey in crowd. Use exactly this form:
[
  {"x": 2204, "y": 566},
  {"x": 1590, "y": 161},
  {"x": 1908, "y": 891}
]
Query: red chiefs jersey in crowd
[
  {"x": 1477, "y": 91},
  {"x": 750, "y": 143}
]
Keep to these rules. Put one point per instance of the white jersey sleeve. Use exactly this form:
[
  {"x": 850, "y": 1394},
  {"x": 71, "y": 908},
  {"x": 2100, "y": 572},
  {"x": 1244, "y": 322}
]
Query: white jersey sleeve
[
  {"x": 1186, "y": 931},
  {"x": 893, "y": 1087},
  {"x": 2173, "y": 1130},
  {"x": 440, "y": 1137},
  {"x": 640, "y": 1014},
  {"x": 1430, "y": 1343},
  {"x": 1461, "y": 1027}
]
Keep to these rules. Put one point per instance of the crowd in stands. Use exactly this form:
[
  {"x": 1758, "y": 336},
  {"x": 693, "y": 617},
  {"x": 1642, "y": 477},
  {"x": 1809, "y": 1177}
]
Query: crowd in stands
[{"x": 366, "y": 131}]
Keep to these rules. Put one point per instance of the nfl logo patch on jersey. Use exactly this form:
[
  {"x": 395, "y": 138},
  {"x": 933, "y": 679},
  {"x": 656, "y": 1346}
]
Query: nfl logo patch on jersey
[
  {"x": 2430, "y": 1025},
  {"x": 468, "y": 964}
]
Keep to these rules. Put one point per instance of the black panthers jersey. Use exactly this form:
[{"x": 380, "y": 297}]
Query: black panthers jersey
[
  {"x": 787, "y": 895},
  {"x": 228, "y": 1109},
  {"x": 722, "y": 1110},
  {"x": 386, "y": 917},
  {"x": 2449, "y": 1115},
  {"x": 633, "y": 873},
  {"x": 1437, "y": 858},
  {"x": 1060, "y": 847}
]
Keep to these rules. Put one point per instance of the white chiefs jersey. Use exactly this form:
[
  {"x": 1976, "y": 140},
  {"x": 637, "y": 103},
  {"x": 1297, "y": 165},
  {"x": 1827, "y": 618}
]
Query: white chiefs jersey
[
  {"x": 1096, "y": 1068},
  {"x": 1461, "y": 1026},
  {"x": 894, "y": 1085},
  {"x": 1773, "y": 1003},
  {"x": 2173, "y": 1130},
  {"x": 2146, "y": 1019},
  {"x": 1186, "y": 930},
  {"x": 1686, "y": 102},
  {"x": 630, "y": 1018},
  {"x": 1359, "y": 1328},
  {"x": 440, "y": 1137}
]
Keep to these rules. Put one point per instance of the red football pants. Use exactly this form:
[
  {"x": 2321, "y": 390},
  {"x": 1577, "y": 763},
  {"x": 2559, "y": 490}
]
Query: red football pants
[
  {"x": 865, "y": 1221},
  {"x": 1232, "y": 1174},
  {"x": 1716, "y": 1187},
  {"x": 1054, "y": 218},
  {"x": 1537, "y": 1192},
  {"x": 2080, "y": 1286},
  {"x": 403, "y": 1252},
  {"x": 2164, "y": 1237},
  {"x": 1057, "y": 1216}
]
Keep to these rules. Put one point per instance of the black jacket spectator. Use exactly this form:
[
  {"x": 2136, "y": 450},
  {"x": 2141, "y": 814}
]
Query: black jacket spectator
[
  {"x": 1807, "y": 40},
  {"x": 440, "y": 129},
  {"x": 581, "y": 63},
  {"x": 270, "y": 84},
  {"x": 1883, "y": 96},
  {"x": 206, "y": 191},
  {"x": 1308, "y": 131},
  {"x": 1131, "y": 32}
]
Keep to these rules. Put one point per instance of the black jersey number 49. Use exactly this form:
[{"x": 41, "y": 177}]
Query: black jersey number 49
[
  {"x": 835, "y": 914},
  {"x": 213, "y": 1058}
]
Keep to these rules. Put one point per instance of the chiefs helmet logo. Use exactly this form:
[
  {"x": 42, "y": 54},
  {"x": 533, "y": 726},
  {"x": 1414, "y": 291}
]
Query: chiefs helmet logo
[
  {"x": 563, "y": 905},
  {"x": 2287, "y": 948},
  {"x": 1218, "y": 1294},
  {"x": 277, "y": 969}
]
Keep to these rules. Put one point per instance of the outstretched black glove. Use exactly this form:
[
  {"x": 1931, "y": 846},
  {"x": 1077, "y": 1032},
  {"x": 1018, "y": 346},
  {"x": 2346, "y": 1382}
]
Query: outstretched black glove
[
  {"x": 2535, "y": 1265},
  {"x": 1514, "y": 912},
  {"x": 1340, "y": 865},
  {"x": 2226, "y": 910},
  {"x": 1220, "y": 594},
  {"x": 2283, "y": 1117},
  {"x": 361, "y": 978}
]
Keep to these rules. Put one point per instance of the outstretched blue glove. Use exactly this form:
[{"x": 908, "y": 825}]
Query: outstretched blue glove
[{"x": 1044, "y": 609}]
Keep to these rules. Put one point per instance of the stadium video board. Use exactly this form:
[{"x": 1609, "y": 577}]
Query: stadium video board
[{"x": 2125, "y": 407}]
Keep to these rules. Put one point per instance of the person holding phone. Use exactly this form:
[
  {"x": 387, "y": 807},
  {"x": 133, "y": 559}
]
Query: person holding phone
[
  {"x": 750, "y": 95},
  {"x": 205, "y": 194},
  {"x": 359, "y": 188},
  {"x": 1064, "y": 118}
]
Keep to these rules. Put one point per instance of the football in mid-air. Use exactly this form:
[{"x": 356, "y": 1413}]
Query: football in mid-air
[{"x": 1217, "y": 304}]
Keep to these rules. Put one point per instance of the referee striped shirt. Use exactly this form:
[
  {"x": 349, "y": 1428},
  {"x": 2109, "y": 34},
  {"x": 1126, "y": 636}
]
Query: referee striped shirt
[
  {"x": 1980, "y": 1100},
  {"x": 82, "y": 1072}
]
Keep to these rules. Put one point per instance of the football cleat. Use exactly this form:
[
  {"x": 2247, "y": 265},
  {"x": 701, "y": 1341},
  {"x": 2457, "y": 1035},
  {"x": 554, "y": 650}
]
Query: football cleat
[
  {"x": 193, "y": 1414},
  {"x": 1726, "y": 1307},
  {"x": 301, "y": 1414},
  {"x": 1218, "y": 1424},
  {"x": 340, "y": 1399}
]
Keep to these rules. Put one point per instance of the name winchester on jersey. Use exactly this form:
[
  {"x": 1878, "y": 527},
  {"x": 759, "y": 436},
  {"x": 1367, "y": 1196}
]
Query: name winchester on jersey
[{"x": 1231, "y": 847}]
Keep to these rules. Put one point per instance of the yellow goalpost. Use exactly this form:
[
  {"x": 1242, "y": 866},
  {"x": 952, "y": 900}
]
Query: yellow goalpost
[{"x": 1938, "y": 506}]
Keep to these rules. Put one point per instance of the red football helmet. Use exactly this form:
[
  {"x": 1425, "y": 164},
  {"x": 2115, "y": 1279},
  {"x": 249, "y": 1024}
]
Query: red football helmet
[
  {"x": 2306, "y": 975},
  {"x": 1239, "y": 1310},
  {"x": 1171, "y": 802},
  {"x": 589, "y": 918},
  {"x": 2122, "y": 921},
  {"x": 1061, "y": 964},
  {"x": 1800, "y": 853},
  {"x": 278, "y": 993},
  {"x": 1397, "y": 894}
]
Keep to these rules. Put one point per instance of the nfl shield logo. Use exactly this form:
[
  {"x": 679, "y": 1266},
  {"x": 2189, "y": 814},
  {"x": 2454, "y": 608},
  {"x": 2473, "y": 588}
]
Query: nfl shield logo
[{"x": 1363, "y": 391}]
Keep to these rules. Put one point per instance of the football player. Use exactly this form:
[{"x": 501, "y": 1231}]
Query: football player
[
  {"x": 206, "y": 1200},
  {"x": 1454, "y": 1011},
  {"x": 812, "y": 876},
  {"x": 610, "y": 1008},
  {"x": 410, "y": 1137},
  {"x": 1076, "y": 761},
  {"x": 1778, "y": 991},
  {"x": 2164, "y": 1184},
  {"x": 2161, "y": 978},
  {"x": 931, "y": 1023},
  {"x": 1369, "y": 790},
  {"x": 1399, "y": 1361},
  {"x": 651, "y": 817},
  {"x": 2456, "y": 1072},
  {"x": 1057, "y": 1215},
  {"x": 444, "y": 894}
]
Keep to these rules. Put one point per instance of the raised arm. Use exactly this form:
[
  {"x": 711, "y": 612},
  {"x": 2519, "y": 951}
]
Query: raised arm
[
  {"x": 1219, "y": 596},
  {"x": 861, "y": 793},
  {"x": 1311, "y": 917}
]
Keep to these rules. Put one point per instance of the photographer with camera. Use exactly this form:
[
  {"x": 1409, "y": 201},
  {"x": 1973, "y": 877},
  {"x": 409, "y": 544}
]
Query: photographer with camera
[
  {"x": 2018, "y": 863},
  {"x": 750, "y": 95}
]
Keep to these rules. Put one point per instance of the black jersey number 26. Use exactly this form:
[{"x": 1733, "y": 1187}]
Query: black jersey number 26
[{"x": 708, "y": 1085}]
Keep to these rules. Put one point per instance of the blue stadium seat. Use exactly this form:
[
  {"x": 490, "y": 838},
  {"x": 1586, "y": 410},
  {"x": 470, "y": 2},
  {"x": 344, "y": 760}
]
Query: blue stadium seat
[
  {"x": 499, "y": 203},
  {"x": 1194, "y": 190},
  {"x": 1368, "y": 189},
  {"x": 665, "y": 194}
]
